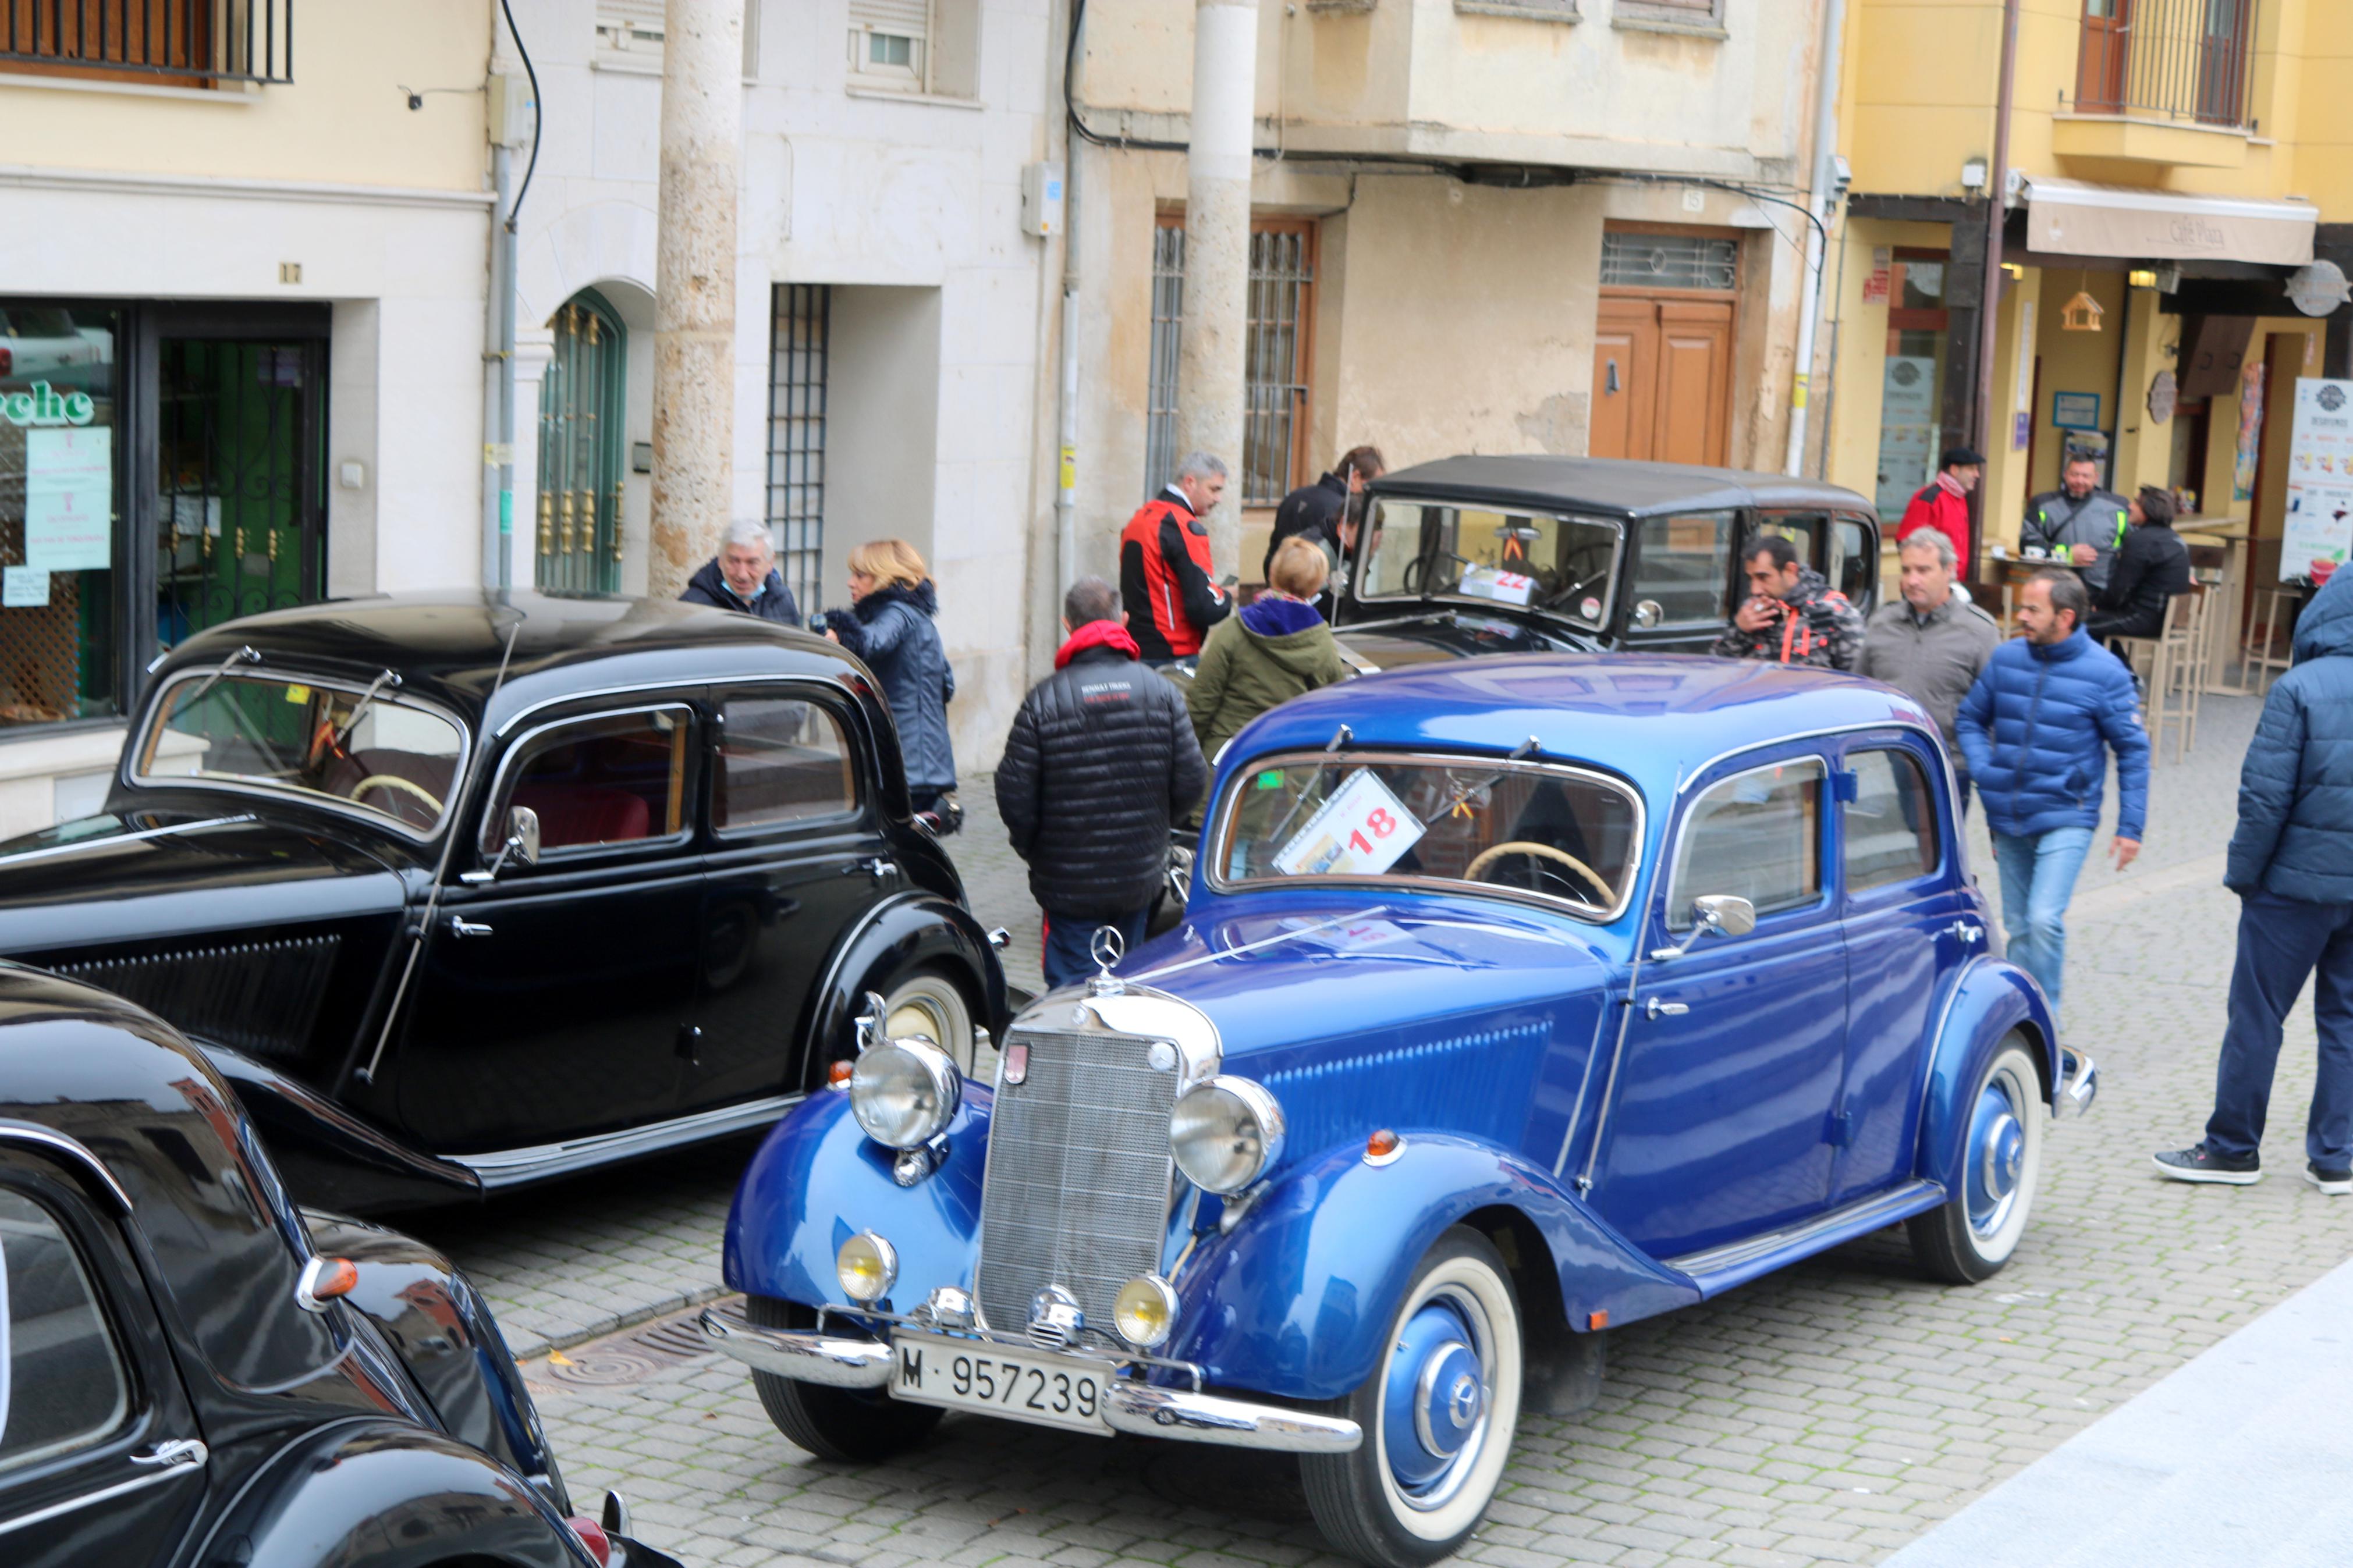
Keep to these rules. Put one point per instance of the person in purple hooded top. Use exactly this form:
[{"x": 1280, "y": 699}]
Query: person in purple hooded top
[{"x": 1275, "y": 649}]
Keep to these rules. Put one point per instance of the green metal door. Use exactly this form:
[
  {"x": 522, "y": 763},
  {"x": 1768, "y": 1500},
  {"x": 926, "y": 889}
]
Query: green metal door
[
  {"x": 241, "y": 472},
  {"x": 580, "y": 427}
]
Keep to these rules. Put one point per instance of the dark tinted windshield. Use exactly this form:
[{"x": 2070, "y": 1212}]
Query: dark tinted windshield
[{"x": 1557, "y": 563}]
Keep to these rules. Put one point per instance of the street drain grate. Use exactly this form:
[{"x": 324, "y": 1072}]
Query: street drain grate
[{"x": 621, "y": 1360}]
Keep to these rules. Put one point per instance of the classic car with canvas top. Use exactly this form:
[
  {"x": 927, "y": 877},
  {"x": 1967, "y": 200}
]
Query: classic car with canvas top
[
  {"x": 1522, "y": 555},
  {"x": 1518, "y": 999},
  {"x": 193, "y": 1371},
  {"x": 461, "y": 892}
]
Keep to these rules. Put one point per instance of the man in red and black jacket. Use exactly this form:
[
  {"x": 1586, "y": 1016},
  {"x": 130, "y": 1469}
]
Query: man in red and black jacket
[
  {"x": 1943, "y": 503},
  {"x": 1165, "y": 581}
]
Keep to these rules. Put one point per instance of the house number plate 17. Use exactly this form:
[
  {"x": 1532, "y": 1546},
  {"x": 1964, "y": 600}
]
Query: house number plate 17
[{"x": 973, "y": 1374}]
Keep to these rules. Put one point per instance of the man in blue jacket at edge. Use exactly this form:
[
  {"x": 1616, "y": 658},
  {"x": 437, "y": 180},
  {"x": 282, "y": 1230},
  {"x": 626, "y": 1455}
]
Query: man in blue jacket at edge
[
  {"x": 2290, "y": 864},
  {"x": 2036, "y": 729}
]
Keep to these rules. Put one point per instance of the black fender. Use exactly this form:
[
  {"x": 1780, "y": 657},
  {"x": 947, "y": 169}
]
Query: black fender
[
  {"x": 900, "y": 932},
  {"x": 444, "y": 1335},
  {"x": 373, "y": 1493},
  {"x": 330, "y": 1157}
]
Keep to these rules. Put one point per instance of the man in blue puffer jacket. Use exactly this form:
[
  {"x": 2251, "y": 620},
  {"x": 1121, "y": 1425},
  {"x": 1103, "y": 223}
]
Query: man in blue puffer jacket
[
  {"x": 2036, "y": 729},
  {"x": 2291, "y": 866}
]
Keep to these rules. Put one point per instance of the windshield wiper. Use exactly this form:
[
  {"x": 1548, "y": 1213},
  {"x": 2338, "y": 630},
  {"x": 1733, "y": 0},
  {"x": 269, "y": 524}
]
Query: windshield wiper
[
  {"x": 1340, "y": 737},
  {"x": 1463, "y": 792},
  {"x": 242, "y": 656},
  {"x": 366, "y": 702}
]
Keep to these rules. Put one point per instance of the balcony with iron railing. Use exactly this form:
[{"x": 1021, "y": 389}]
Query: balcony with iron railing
[
  {"x": 2151, "y": 76},
  {"x": 178, "y": 43}
]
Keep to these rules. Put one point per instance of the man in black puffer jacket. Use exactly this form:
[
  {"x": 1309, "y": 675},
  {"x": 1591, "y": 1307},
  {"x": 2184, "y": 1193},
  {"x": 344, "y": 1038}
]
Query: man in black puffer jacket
[{"x": 1101, "y": 760}]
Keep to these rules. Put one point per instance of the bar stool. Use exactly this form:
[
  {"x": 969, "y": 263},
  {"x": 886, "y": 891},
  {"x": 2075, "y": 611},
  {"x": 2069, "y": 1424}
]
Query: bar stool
[
  {"x": 2174, "y": 677},
  {"x": 2275, "y": 613}
]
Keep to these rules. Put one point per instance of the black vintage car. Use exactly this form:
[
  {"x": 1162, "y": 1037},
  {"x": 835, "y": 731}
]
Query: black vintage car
[
  {"x": 1531, "y": 555},
  {"x": 461, "y": 892},
  {"x": 195, "y": 1372}
]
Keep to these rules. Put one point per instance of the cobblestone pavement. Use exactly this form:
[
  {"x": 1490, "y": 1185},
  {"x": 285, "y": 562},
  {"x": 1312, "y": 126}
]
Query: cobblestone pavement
[{"x": 1829, "y": 1413}]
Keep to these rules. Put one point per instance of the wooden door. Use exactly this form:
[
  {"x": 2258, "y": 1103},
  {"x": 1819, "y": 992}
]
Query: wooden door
[
  {"x": 1662, "y": 379},
  {"x": 2101, "y": 56}
]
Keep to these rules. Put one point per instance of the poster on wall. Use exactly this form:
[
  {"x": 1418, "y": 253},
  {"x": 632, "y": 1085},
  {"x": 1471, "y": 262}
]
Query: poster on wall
[
  {"x": 1907, "y": 430},
  {"x": 2319, "y": 530},
  {"x": 2251, "y": 429},
  {"x": 69, "y": 499}
]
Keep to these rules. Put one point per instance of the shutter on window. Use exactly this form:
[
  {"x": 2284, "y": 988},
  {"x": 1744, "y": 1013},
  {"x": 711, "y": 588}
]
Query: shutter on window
[
  {"x": 908, "y": 18},
  {"x": 630, "y": 24}
]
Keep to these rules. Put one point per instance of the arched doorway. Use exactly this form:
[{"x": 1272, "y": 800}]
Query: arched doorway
[{"x": 580, "y": 449}]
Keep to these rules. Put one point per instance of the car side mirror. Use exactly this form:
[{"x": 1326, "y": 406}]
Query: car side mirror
[
  {"x": 1714, "y": 914},
  {"x": 521, "y": 848}
]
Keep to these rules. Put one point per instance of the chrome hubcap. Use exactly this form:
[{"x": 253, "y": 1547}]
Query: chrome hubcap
[
  {"x": 1436, "y": 1394},
  {"x": 1997, "y": 1159}
]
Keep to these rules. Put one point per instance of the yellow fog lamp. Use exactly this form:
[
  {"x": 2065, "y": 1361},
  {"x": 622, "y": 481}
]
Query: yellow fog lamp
[
  {"x": 1144, "y": 1311},
  {"x": 868, "y": 1267}
]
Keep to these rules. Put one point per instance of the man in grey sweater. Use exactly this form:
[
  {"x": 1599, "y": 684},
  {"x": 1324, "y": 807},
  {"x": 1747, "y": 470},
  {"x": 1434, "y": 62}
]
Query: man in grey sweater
[{"x": 1932, "y": 642}]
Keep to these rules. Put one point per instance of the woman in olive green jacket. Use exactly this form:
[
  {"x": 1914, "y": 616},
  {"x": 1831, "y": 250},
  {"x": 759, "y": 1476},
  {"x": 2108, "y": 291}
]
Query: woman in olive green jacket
[{"x": 1275, "y": 649}]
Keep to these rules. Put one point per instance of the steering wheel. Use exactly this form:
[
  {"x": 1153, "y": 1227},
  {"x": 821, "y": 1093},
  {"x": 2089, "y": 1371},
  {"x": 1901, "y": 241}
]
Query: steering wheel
[
  {"x": 394, "y": 780},
  {"x": 1543, "y": 852}
]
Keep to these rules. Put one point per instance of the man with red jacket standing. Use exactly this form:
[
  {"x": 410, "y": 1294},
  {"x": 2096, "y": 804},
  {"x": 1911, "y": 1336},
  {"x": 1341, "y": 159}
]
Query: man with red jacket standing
[
  {"x": 1944, "y": 503},
  {"x": 1164, "y": 580}
]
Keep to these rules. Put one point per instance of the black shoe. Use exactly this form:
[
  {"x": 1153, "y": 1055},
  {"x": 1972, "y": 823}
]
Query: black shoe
[
  {"x": 2200, "y": 1163},
  {"x": 2335, "y": 1183}
]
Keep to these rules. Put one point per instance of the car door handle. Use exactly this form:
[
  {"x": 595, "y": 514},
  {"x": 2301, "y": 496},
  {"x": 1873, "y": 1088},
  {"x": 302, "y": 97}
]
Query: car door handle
[
  {"x": 1654, "y": 1008},
  {"x": 1968, "y": 931},
  {"x": 173, "y": 1454},
  {"x": 875, "y": 866},
  {"x": 461, "y": 926}
]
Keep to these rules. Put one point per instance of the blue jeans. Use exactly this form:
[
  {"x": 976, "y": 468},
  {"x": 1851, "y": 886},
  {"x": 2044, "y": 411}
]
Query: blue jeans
[
  {"x": 2038, "y": 878},
  {"x": 2280, "y": 942},
  {"x": 1067, "y": 938}
]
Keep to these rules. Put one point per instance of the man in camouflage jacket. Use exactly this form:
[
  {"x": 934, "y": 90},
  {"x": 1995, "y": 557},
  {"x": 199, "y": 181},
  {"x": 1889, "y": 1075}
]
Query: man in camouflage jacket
[{"x": 1792, "y": 615}]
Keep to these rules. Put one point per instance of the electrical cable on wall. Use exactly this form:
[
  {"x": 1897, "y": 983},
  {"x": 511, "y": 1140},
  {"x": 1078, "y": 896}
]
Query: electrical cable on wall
[{"x": 538, "y": 113}]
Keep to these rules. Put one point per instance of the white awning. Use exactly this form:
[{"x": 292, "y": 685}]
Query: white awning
[{"x": 2075, "y": 217}]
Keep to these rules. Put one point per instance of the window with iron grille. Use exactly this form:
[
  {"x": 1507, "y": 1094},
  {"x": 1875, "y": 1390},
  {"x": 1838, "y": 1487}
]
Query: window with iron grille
[
  {"x": 1277, "y": 353},
  {"x": 1631, "y": 259},
  {"x": 796, "y": 387},
  {"x": 199, "y": 43},
  {"x": 581, "y": 404}
]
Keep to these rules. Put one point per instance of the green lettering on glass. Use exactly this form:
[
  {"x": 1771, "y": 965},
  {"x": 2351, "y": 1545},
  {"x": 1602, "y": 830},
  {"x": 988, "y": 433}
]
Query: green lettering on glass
[{"x": 42, "y": 405}]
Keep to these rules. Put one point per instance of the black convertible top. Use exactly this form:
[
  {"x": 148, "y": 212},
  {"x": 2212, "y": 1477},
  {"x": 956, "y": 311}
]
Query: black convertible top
[{"x": 1609, "y": 485}]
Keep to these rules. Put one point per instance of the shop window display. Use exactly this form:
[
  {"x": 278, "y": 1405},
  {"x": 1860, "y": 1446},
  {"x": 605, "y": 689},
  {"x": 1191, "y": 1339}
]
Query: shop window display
[{"x": 60, "y": 463}]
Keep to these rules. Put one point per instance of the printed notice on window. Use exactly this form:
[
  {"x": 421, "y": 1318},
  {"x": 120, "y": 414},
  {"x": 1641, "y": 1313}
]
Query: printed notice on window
[
  {"x": 24, "y": 588},
  {"x": 69, "y": 499},
  {"x": 1360, "y": 831}
]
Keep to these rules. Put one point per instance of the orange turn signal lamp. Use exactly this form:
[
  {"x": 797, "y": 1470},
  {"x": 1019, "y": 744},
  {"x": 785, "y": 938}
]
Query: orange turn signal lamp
[
  {"x": 323, "y": 1280},
  {"x": 838, "y": 1075}
]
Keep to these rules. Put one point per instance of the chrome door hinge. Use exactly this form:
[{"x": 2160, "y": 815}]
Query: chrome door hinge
[
  {"x": 461, "y": 926},
  {"x": 875, "y": 866}
]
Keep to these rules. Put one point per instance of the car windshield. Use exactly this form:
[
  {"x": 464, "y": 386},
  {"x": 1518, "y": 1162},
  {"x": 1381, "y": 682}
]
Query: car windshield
[
  {"x": 1559, "y": 564},
  {"x": 357, "y": 745},
  {"x": 1530, "y": 827}
]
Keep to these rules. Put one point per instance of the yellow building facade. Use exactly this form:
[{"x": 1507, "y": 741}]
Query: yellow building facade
[{"x": 2174, "y": 165}]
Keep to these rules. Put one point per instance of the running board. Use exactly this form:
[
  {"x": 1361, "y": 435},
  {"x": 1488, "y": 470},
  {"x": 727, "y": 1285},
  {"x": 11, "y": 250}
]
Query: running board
[
  {"x": 513, "y": 1167},
  {"x": 1719, "y": 1268}
]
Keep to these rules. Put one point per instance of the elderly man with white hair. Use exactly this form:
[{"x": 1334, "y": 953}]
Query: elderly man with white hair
[
  {"x": 1932, "y": 642},
  {"x": 743, "y": 576},
  {"x": 1166, "y": 581}
]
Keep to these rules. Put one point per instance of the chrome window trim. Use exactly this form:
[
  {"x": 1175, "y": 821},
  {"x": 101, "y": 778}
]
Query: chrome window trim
[
  {"x": 87, "y": 1500},
  {"x": 504, "y": 776},
  {"x": 1878, "y": 891},
  {"x": 1732, "y": 547},
  {"x": 84, "y": 1160},
  {"x": 1405, "y": 596},
  {"x": 459, "y": 770},
  {"x": 81, "y": 846},
  {"x": 1228, "y": 806},
  {"x": 638, "y": 688},
  {"x": 722, "y": 693},
  {"x": 1673, "y": 864}
]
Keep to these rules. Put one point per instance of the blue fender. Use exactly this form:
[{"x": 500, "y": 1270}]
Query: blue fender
[
  {"x": 818, "y": 1179},
  {"x": 1989, "y": 1000},
  {"x": 1295, "y": 1299},
  {"x": 384, "y": 1494}
]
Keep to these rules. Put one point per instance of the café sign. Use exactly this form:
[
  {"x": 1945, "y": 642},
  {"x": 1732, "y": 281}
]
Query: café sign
[{"x": 42, "y": 405}]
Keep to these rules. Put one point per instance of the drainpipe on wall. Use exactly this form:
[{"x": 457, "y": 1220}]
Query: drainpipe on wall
[
  {"x": 504, "y": 237},
  {"x": 694, "y": 289},
  {"x": 497, "y": 370},
  {"x": 1990, "y": 307},
  {"x": 1826, "y": 200},
  {"x": 1216, "y": 254},
  {"x": 1066, "y": 492}
]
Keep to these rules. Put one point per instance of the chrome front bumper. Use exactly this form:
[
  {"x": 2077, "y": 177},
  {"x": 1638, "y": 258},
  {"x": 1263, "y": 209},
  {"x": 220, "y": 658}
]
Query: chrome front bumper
[
  {"x": 812, "y": 1356},
  {"x": 2079, "y": 1085}
]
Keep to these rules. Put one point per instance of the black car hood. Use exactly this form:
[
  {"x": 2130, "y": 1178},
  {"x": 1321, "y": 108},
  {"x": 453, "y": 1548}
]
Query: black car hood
[
  {"x": 166, "y": 874},
  {"x": 1448, "y": 634}
]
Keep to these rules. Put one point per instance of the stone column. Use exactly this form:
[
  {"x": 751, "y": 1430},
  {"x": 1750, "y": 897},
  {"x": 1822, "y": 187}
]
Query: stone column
[
  {"x": 694, "y": 289},
  {"x": 1216, "y": 254}
]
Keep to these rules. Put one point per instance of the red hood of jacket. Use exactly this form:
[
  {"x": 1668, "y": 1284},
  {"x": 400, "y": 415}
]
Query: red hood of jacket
[{"x": 1096, "y": 634}]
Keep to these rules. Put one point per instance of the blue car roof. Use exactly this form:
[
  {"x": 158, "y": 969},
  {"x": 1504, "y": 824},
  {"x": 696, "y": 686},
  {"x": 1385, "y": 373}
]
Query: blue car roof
[{"x": 1655, "y": 718}]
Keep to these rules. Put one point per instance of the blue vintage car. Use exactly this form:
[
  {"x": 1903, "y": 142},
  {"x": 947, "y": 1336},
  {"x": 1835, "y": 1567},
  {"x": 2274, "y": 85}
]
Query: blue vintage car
[{"x": 1518, "y": 999}]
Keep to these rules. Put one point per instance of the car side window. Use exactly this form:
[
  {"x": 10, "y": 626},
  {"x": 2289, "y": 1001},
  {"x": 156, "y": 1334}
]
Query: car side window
[
  {"x": 614, "y": 779},
  {"x": 1683, "y": 567},
  {"x": 1852, "y": 558},
  {"x": 67, "y": 1387},
  {"x": 1890, "y": 824},
  {"x": 781, "y": 760},
  {"x": 1756, "y": 835}
]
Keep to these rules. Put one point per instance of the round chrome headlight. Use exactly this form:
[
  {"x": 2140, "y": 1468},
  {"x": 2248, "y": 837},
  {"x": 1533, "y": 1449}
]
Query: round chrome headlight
[
  {"x": 1225, "y": 1133},
  {"x": 904, "y": 1092}
]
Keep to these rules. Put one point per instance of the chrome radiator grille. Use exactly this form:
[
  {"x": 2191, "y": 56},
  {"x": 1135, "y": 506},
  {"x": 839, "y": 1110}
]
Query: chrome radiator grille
[{"x": 1076, "y": 1192}]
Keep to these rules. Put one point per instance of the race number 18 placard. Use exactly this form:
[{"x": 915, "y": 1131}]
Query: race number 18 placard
[{"x": 1360, "y": 831}]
